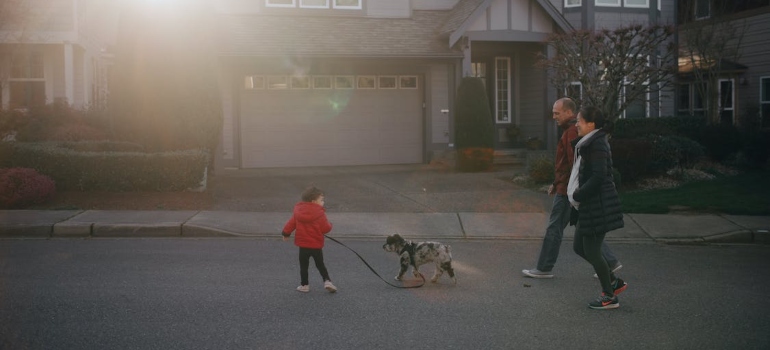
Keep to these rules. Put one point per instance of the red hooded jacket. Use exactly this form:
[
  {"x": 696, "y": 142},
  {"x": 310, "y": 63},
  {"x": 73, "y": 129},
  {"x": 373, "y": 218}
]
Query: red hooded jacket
[{"x": 309, "y": 219}]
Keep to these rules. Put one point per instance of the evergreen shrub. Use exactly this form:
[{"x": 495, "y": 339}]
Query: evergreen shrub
[{"x": 21, "y": 187}]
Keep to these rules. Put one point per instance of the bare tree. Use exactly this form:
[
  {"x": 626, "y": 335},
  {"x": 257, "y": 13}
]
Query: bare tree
[
  {"x": 709, "y": 50},
  {"x": 615, "y": 68}
]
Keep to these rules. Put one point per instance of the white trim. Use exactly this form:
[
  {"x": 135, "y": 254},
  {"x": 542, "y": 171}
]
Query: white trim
[
  {"x": 507, "y": 112},
  {"x": 646, "y": 100},
  {"x": 732, "y": 98},
  {"x": 606, "y": 3}
]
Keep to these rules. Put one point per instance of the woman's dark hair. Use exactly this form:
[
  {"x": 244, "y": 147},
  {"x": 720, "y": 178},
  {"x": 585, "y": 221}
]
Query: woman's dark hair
[{"x": 594, "y": 115}]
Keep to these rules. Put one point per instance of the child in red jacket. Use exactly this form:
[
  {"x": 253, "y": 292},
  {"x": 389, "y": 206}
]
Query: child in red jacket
[{"x": 310, "y": 222}]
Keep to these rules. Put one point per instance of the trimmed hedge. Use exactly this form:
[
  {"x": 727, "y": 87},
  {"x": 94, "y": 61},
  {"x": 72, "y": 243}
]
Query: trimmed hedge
[
  {"x": 112, "y": 171},
  {"x": 690, "y": 127}
]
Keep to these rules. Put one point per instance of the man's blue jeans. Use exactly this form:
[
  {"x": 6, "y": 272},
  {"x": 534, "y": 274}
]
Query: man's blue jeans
[{"x": 554, "y": 233}]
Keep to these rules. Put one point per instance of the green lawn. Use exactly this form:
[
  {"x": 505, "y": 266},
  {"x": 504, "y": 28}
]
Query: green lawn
[{"x": 744, "y": 194}]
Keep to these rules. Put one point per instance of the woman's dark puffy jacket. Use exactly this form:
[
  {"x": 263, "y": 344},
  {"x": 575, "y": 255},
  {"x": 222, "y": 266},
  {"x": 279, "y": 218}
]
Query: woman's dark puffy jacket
[{"x": 599, "y": 210}]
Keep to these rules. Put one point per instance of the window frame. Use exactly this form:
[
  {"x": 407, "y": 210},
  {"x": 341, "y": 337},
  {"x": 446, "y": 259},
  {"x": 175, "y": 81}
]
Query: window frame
[
  {"x": 646, "y": 101},
  {"x": 350, "y": 78},
  {"x": 617, "y": 3},
  {"x": 366, "y": 82},
  {"x": 408, "y": 78},
  {"x": 380, "y": 79},
  {"x": 577, "y": 4},
  {"x": 250, "y": 82},
  {"x": 508, "y": 117},
  {"x": 277, "y": 85},
  {"x": 764, "y": 90},
  {"x": 732, "y": 99},
  {"x": 348, "y": 7},
  {"x": 695, "y": 10},
  {"x": 329, "y": 78},
  {"x": 646, "y": 4},
  {"x": 303, "y": 6},
  {"x": 292, "y": 5}
]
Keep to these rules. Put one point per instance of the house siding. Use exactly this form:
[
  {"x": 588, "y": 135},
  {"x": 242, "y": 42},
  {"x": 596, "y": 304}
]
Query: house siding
[
  {"x": 388, "y": 8},
  {"x": 439, "y": 126},
  {"x": 434, "y": 4},
  {"x": 756, "y": 55},
  {"x": 531, "y": 97}
]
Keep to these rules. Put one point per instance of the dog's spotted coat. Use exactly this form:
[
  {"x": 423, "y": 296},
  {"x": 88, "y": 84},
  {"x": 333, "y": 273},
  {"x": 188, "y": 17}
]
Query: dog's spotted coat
[{"x": 416, "y": 254}]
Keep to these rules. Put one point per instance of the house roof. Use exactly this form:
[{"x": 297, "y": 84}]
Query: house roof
[
  {"x": 466, "y": 11},
  {"x": 319, "y": 36}
]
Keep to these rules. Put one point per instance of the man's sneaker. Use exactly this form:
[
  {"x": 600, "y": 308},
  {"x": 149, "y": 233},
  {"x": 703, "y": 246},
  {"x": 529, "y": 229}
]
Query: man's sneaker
[
  {"x": 330, "y": 287},
  {"x": 619, "y": 286},
  {"x": 614, "y": 269},
  {"x": 535, "y": 273},
  {"x": 303, "y": 289},
  {"x": 605, "y": 302}
]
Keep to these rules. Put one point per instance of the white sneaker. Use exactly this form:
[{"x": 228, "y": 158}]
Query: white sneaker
[
  {"x": 535, "y": 273},
  {"x": 330, "y": 287},
  {"x": 614, "y": 269},
  {"x": 303, "y": 289}
]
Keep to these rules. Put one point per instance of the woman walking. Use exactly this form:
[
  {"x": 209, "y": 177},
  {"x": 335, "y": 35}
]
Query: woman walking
[{"x": 595, "y": 201}]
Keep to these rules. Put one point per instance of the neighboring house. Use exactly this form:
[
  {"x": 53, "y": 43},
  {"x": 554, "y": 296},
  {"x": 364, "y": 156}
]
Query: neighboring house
[
  {"x": 742, "y": 77},
  {"x": 54, "y": 50},
  {"x": 612, "y": 14},
  {"x": 353, "y": 82}
]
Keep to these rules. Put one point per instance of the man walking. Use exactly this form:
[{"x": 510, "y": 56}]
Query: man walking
[{"x": 564, "y": 111}]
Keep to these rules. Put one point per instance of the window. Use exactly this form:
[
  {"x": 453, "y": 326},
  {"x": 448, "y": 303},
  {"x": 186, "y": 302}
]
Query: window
[
  {"x": 280, "y": 3},
  {"x": 322, "y": 82},
  {"x": 702, "y": 9},
  {"x": 27, "y": 80},
  {"x": 638, "y": 108},
  {"x": 251, "y": 82},
  {"x": 366, "y": 82},
  {"x": 726, "y": 106},
  {"x": 502, "y": 90},
  {"x": 386, "y": 82},
  {"x": 764, "y": 101},
  {"x": 479, "y": 70},
  {"x": 344, "y": 82},
  {"x": 638, "y": 3},
  {"x": 613, "y": 3},
  {"x": 300, "y": 82},
  {"x": 407, "y": 82},
  {"x": 348, "y": 4},
  {"x": 574, "y": 91},
  {"x": 572, "y": 3},
  {"x": 277, "y": 82},
  {"x": 318, "y": 4},
  {"x": 683, "y": 99},
  {"x": 698, "y": 100}
]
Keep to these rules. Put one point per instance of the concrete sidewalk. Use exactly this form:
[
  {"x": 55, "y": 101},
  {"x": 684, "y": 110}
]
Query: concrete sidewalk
[
  {"x": 415, "y": 200},
  {"x": 675, "y": 229}
]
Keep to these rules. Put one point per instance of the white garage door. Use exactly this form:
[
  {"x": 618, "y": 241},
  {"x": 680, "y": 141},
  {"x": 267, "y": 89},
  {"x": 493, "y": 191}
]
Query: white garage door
[{"x": 328, "y": 127}]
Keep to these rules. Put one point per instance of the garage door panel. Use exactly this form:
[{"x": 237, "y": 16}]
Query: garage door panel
[{"x": 290, "y": 128}]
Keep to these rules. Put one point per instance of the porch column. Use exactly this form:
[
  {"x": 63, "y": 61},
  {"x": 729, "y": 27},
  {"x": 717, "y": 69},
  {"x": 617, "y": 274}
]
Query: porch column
[
  {"x": 466, "y": 45},
  {"x": 69, "y": 73}
]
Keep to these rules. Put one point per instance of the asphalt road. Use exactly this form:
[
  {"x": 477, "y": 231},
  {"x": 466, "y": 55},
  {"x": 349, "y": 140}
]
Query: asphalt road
[{"x": 233, "y": 293}]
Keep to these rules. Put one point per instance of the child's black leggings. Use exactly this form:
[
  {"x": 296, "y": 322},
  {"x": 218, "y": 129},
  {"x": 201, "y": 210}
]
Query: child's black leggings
[
  {"x": 304, "y": 262},
  {"x": 589, "y": 247}
]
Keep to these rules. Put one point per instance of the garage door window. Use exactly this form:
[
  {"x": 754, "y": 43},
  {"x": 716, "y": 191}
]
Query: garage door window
[
  {"x": 322, "y": 82},
  {"x": 302, "y": 82},
  {"x": 251, "y": 82},
  {"x": 407, "y": 82},
  {"x": 366, "y": 82},
  {"x": 387, "y": 82},
  {"x": 343, "y": 82}
]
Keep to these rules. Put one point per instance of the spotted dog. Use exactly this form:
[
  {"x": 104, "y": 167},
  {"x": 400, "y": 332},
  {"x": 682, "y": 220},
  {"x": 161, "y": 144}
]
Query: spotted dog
[{"x": 416, "y": 254}]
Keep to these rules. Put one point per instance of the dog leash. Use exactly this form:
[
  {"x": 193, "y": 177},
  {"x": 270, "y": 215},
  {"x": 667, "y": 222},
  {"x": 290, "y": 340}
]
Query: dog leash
[{"x": 375, "y": 272}]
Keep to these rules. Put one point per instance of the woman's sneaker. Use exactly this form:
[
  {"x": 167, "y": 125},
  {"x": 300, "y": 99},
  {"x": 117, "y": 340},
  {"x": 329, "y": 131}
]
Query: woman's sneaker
[
  {"x": 605, "y": 302},
  {"x": 303, "y": 289},
  {"x": 535, "y": 273},
  {"x": 619, "y": 286},
  {"x": 330, "y": 287}
]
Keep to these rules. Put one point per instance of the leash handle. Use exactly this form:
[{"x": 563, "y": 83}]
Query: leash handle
[{"x": 375, "y": 272}]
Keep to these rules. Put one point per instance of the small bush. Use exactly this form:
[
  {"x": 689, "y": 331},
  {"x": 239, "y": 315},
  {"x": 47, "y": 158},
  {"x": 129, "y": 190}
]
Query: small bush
[
  {"x": 721, "y": 141},
  {"x": 21, "y": 187},
  {"x": 541, "y": 170},
  {"x": 673, "y": 152},
  {"x": 637, "y": 128},
  {"x": 631, "y": 157},
  {"x": 77, "y": 132}
]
